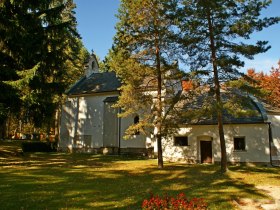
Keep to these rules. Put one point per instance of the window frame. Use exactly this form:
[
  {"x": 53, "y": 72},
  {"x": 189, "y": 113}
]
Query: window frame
[
  {"x": 178, "y": 143},
  {"x": 240, "y": 147}
]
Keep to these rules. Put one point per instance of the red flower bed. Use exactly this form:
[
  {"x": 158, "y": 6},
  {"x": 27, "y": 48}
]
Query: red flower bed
[{"x": 180, "y": 202}]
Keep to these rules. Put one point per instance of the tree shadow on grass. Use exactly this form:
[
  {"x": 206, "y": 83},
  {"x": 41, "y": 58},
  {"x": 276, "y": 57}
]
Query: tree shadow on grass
[{"x": 64, "y": 181}]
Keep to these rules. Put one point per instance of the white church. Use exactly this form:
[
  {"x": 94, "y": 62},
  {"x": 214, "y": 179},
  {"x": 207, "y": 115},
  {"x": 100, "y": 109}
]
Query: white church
[{"x": 89, "y": 123}]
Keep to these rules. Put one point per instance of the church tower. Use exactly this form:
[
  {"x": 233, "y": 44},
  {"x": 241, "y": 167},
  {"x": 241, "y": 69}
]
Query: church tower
[{"x": 92, "y": 66}]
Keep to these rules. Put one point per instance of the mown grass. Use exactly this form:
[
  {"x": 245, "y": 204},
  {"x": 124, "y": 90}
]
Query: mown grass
[{"x": 84, "y": 181}]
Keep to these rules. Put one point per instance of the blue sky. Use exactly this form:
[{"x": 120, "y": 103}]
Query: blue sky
[{"x": 96, "y": 21}]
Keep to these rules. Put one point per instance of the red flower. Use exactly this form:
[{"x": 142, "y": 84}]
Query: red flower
[{"x": 180, "y": 202}]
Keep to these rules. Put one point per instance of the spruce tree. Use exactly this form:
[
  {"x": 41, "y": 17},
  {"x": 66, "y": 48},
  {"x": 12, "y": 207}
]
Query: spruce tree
[{"x": 40, "y": 40}]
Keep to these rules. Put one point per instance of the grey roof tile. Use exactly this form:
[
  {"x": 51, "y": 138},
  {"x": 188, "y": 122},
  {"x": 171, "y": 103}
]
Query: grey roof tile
[
  {"x": 96, "y": 83},
  {"x": 257, "y": 112}
]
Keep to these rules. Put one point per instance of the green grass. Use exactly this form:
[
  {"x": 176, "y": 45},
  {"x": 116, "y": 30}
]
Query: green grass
[{"x": 84, "y": 181}]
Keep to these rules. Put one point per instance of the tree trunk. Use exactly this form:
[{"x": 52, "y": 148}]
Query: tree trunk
[
  {"x": 8, "y": 124},
  {"x": 57, "y": 122},
  {"x": 218, "y": 95},
  {"x": 159, "y": 108},
  {"x": 159, "y": 148}
]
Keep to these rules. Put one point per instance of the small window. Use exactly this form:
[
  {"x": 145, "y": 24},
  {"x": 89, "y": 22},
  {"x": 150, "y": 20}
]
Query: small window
[
  {"x": 239, "y": 143},
  {"x": 92, "y": 65},
  {"x": 181, "y": 141},
  {"x": 136, "y": 121}
]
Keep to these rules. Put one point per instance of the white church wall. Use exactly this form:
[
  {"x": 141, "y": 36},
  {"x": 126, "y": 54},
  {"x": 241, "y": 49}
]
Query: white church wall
[
  {"x": 67, "y": 126},
  {"x": 136, "y": 141},
  {"x": 90, "y": 120},
  {"x": 256, "y": 141},
  {"x": 82, "y": 122}
]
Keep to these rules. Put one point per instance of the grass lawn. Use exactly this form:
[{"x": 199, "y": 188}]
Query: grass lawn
[{"x": 84, "y": 181}]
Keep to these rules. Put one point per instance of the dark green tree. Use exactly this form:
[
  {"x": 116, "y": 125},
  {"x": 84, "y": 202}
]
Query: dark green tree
[
  {"x": 41, "y": 44},
  {"x": 213, "y": 36},
  {"x": 9, "y": 63}
]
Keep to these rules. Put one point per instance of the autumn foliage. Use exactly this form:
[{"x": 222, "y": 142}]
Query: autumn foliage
[
  {"x": 187, "y": 85},
  {"x": 269, "y": 83}
]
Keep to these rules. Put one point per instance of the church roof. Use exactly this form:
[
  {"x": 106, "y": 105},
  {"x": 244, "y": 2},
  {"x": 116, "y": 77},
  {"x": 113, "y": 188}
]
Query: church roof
[
  {"x": 253, "y": 110},
  {"x": 95, "y": 83}
]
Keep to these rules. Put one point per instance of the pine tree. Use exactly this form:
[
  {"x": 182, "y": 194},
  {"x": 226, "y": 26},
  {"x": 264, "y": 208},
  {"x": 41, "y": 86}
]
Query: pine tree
[
  {"x": 143, "y": 57},
  {"x": 213, "y": 35}
]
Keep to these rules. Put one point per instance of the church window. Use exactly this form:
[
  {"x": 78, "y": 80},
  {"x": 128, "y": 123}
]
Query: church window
[
  {"x": 136, "y": 121},
  {"x": 239, "y": 143},
  {"x": 181, "y": 141}
]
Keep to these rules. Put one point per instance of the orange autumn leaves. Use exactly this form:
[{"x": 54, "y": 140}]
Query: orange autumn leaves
[{"x": 269, "y": 83}]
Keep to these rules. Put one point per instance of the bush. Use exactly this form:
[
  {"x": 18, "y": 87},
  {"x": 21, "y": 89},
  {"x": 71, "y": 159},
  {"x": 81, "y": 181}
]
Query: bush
[
  {"x": 180, "y": 202},
  {"x": 38, "y": 147}
]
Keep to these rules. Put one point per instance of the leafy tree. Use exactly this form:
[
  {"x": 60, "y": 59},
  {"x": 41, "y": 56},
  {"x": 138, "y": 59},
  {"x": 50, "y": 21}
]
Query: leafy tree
[
  {"x": 213, "y": 35},
  {"x": 269, "y": 83},
  {"x": 143, "y": 57}
]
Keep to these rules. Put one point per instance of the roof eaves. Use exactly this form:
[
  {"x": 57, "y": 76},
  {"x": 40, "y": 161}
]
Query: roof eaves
[
  {"x": 260, "y": 107},
  {"x": 75, "y": 85},
  {"x": 93, "y": 93}
]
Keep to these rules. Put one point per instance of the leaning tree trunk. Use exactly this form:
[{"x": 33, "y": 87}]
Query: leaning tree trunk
[{"x": 218, "y": 95}]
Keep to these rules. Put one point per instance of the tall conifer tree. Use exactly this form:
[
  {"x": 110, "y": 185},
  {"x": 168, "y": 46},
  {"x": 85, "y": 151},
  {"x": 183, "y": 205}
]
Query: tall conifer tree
[
  {"x": 213, "y": 35},
  {"x": 41, "y": 44},
  {"x": 143, "y": 57}
]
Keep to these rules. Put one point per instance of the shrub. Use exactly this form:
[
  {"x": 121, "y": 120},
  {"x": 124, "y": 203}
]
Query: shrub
[
  {"x": 180, "y": 202},
  {"x": 38, "y": 147}
]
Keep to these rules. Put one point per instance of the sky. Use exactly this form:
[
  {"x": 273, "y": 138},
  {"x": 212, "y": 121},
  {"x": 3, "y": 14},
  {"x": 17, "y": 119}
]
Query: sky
[{"x": 96, "y": 25}]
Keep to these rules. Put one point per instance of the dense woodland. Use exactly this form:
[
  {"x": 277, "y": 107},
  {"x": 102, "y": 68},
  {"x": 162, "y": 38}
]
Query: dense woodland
[{"x": 157, "y": 42}]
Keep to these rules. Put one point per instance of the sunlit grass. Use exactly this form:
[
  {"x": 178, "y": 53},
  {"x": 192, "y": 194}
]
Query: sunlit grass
[{"x": 84, "y": 181}]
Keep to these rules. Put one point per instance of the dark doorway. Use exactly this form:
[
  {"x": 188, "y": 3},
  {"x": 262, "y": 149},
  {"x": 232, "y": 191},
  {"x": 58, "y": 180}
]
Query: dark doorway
[{"x": 206, "y": 151}]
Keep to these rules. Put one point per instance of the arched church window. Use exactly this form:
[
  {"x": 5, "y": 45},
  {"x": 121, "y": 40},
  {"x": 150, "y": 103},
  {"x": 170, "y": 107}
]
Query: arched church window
[{"x": 136, "y": 121}]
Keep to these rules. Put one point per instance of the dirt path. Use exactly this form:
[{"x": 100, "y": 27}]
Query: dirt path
[
  {"x": 264, "y": 204},
  {"x": 274, "y": 192}
]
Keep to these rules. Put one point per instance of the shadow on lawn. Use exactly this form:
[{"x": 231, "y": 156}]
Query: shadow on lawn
[{"x": 83, "y": 181}]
